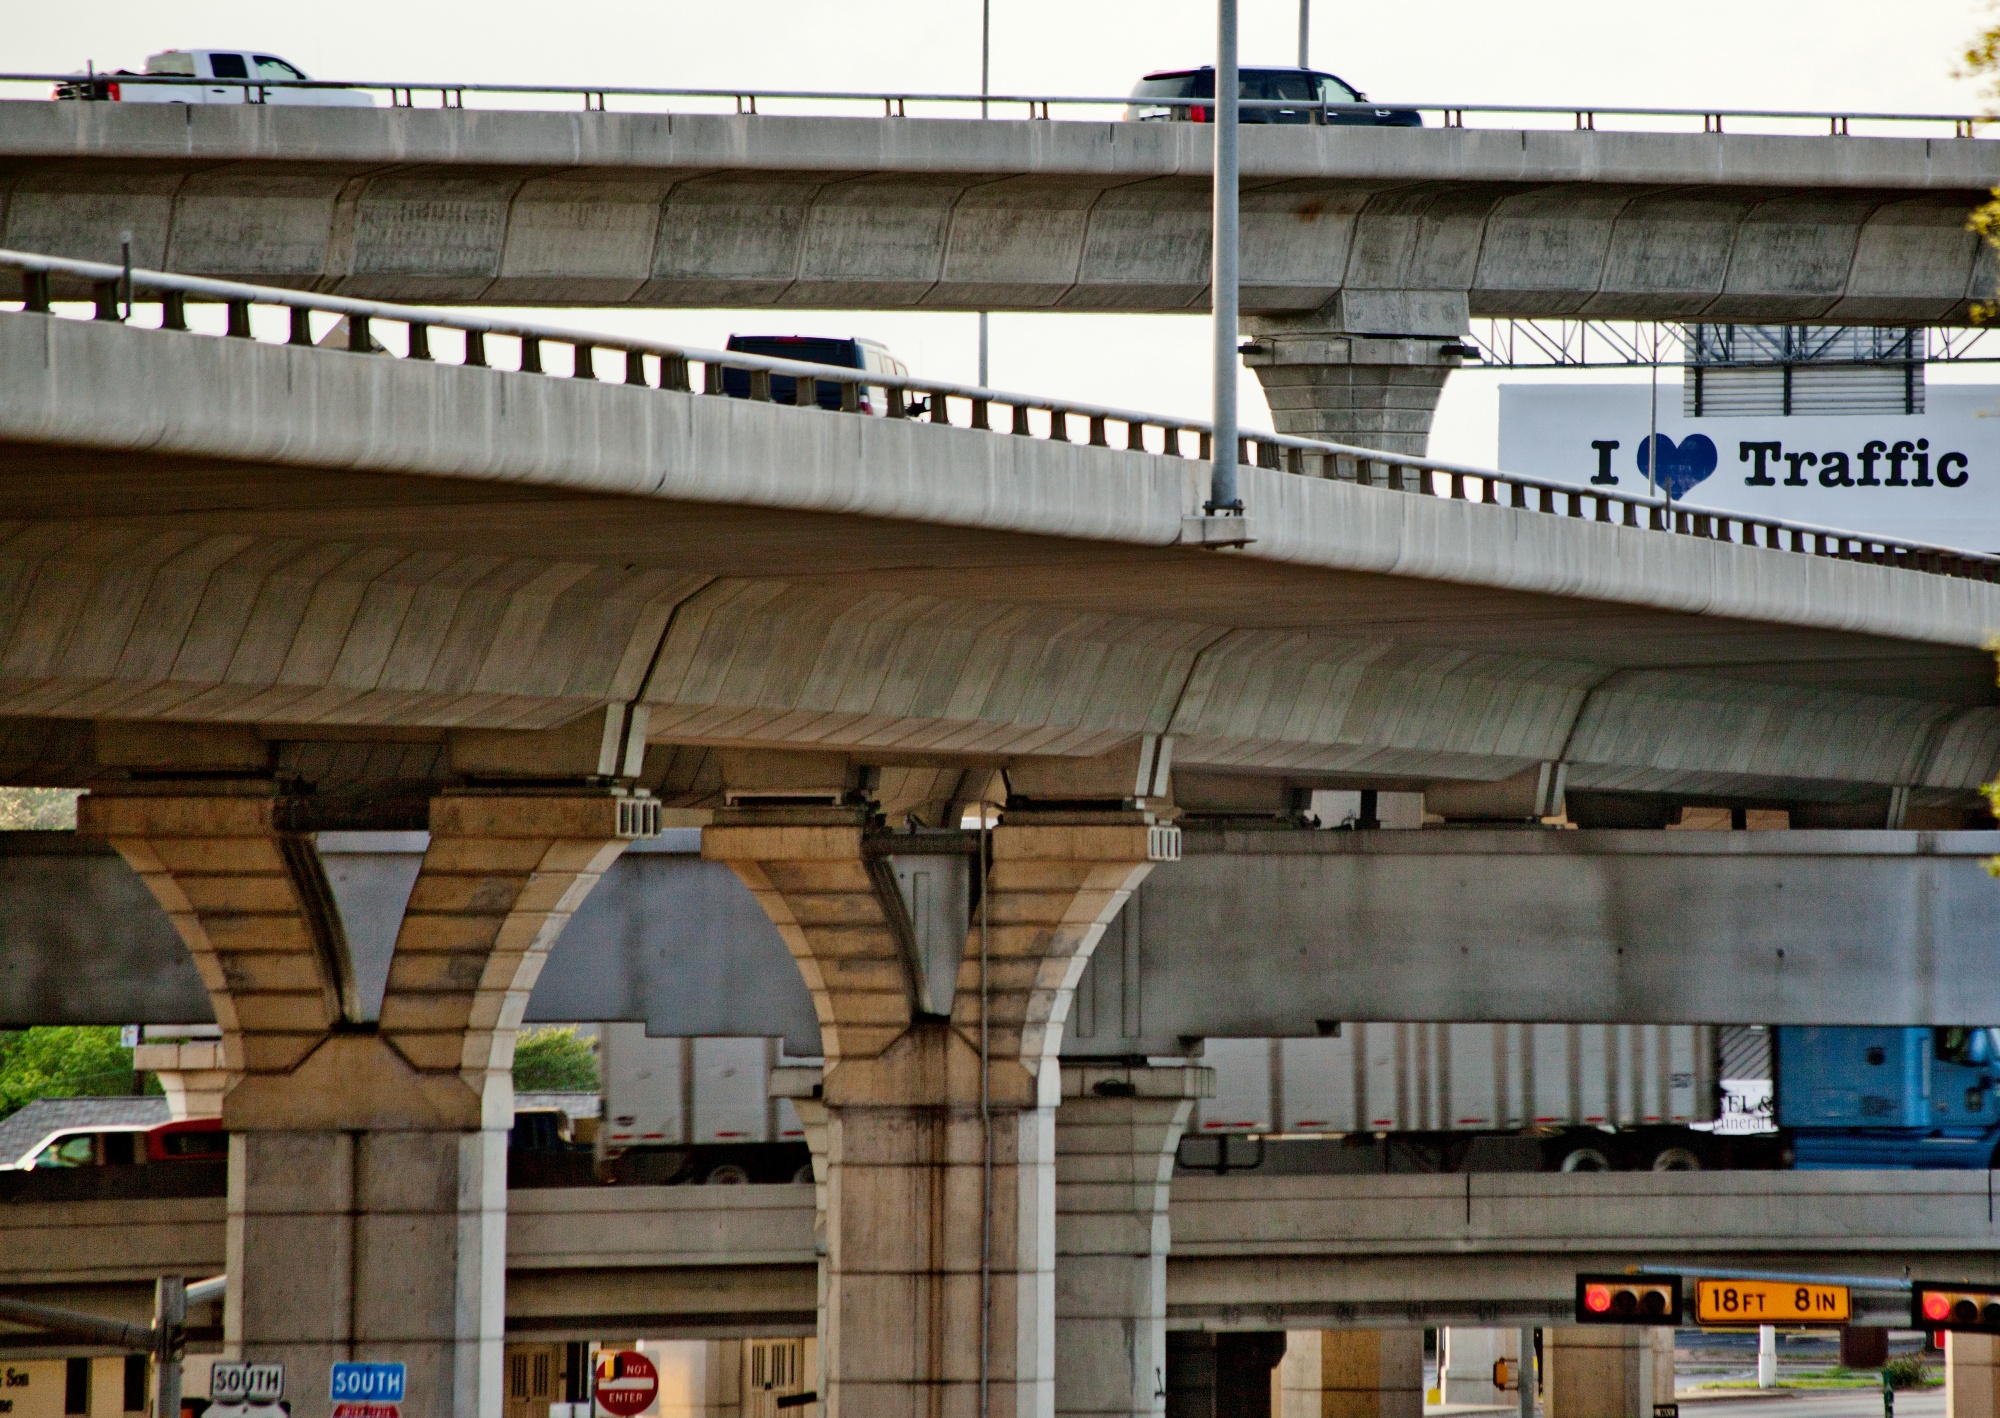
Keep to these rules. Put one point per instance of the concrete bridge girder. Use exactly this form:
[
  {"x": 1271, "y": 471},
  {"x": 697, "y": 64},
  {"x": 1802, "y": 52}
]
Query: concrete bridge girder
[
  {"x": 1248, "y": 1251},
  {"x": 1251, "y": 934},
  {"x": 542, "y": 208}
]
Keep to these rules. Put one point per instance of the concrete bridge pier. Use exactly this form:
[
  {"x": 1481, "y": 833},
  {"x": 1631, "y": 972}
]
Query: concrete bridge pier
[
  {"x": 1365, "y": 369},
  {"x": 367, "y": 1108},
  {"x": 1351, "y": 1373},
  {"x": 1116, "y": 1135},
  {"x": 1971, "y": 1376},
  {"x": 1466, "y": 1359},
  {"x": 933, "y": 1258},
  {"x": 1611, "y": 1372}
]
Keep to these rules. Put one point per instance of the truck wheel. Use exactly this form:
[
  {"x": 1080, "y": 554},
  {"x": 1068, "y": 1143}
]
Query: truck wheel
[
  {"x": 726, "y": 1174},
  {"x": 804, "y": 1174},
  {"x": 1676, "y": 1159},
  {"x": 1584, "y": 1159}
]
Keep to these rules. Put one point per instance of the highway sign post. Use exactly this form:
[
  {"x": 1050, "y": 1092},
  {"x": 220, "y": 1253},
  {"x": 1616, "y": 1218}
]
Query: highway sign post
[{"x": 1759, "y": 1302}]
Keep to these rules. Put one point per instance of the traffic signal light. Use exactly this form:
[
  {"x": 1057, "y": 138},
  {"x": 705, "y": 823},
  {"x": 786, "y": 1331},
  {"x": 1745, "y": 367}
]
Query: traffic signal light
[
  {"x": 1971, "y": 1308},
  {"x": 1628, "y": 1299}
]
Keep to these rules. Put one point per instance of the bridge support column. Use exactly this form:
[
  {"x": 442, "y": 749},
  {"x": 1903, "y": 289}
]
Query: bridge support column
[
  {"x": 920, "y": 1229},
  {"x": 1971, "y": 1375},
  {"x": 1116, "y": 1134},
  {"x": 1352, "y": 1373},
  {"x": 367, "y": 1165},
  {"x": 1367, "y": 369},
  {"x": 1466, "y": 1357},
  {"x": 1612, "y": 1372}
]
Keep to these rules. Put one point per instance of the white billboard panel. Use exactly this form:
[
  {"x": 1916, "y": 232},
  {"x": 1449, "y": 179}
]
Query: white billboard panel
[{"x": 1928, "y": 477}]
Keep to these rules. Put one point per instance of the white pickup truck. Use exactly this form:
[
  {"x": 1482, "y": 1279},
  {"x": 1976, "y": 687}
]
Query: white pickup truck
[{"x": 238, "y": 73}]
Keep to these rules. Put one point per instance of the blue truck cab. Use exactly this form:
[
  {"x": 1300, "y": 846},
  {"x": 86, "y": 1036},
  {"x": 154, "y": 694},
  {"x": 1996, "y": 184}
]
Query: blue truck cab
[{"x": 1867, "y": 1097}]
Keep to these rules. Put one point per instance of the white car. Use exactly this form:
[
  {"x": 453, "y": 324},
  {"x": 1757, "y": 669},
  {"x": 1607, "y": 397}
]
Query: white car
[{"x": 232, "y": 66}]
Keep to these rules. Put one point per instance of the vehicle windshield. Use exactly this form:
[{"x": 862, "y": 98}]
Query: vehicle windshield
[
  {"x": 1302, "y": 85},
  {"x": 66, "y": 1152},
  {"x": 807, "y": 349}
]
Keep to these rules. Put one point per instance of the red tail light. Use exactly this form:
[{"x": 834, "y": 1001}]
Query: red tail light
[
  {"x": 111, "y": 92},
  {"x": 1198, "y": 114}
]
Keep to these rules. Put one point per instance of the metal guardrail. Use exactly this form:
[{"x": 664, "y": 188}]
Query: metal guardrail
[
  {"x": 895, "y": 104},
  {"x": 669, "y": 366}
]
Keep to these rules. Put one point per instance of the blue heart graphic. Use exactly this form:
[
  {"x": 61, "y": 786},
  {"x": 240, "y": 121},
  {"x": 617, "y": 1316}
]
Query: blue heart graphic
[{"x": 1681, "y": 468}]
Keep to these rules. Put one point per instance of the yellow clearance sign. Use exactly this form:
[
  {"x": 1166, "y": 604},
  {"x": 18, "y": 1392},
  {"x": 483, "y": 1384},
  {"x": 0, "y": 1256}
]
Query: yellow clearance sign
[{"x": 1769, "y": 1302}]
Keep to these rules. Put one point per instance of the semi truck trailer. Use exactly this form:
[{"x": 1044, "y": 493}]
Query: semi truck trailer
[{"x": 1582, "y": 1097}]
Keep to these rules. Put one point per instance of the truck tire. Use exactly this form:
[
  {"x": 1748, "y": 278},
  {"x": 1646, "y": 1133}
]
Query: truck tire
[
  {"x": 726, "y": 1174},
  {"x": 804, "y": 1174},
  {"x": 1583, "y": 1158},
  {"x": 1677, "y": 1159}
]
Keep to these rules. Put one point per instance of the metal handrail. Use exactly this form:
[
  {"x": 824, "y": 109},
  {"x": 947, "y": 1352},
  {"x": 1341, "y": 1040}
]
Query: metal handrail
[
  {"x": 110, "y": 285},
  {"x": 593, "y": 96}
]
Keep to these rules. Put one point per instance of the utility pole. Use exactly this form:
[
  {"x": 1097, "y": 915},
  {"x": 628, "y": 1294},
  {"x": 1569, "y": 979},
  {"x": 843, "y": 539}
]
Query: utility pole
[
  {"x": 985, "y": 80},
  {"x": 1222, "y": 496},
  {"x": 1305, "y": 26}
]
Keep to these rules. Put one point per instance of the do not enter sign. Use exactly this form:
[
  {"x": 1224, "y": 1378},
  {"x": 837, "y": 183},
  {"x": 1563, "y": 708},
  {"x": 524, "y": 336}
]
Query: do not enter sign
[{"x": 627, "y": 1383}]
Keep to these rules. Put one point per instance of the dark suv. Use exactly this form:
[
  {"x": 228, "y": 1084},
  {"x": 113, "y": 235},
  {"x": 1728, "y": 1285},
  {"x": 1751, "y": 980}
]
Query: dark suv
[{"x": 1311, "y": 89}]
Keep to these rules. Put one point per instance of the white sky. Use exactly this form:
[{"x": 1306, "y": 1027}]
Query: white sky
[{"x": 1781, "y": 54}]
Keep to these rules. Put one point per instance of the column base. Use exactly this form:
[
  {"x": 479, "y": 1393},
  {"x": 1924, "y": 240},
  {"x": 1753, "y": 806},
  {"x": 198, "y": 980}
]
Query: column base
[{"x": 371, "y": 1246}]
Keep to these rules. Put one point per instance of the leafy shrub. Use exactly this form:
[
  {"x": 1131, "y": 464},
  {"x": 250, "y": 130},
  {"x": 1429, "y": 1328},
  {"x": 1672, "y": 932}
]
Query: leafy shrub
[
  {"x": 1907, "y": 1371},
  {"x": 553, "y": 1059}
]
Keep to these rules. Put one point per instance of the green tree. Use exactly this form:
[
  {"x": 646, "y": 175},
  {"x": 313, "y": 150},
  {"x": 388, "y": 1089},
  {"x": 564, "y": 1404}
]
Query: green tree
[
  {"x": 63, "y": 1062},
  {"x": 1981, "y": 60},
  {"x": 50, "y": 809},
  {"x": 554, "y": 1059}
]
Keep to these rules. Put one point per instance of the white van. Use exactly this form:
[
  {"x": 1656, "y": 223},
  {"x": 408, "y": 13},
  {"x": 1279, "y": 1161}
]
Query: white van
[{"x": 240, "y": 69}]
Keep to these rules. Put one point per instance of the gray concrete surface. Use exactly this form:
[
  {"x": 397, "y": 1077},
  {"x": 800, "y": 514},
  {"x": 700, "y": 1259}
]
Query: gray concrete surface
[
  {"x": 344, "y": 550},
  {"x": 1248, "y": 1252},
  {"x": 1251, "y": 934},
  {"x": 845, "y": 213}
]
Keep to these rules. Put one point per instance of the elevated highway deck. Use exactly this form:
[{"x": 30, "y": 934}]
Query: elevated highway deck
[
  {"x": 324, "y": 550},
  {"x": 1414, "y": 225},
  {"x": 1249, "y": 1252}
]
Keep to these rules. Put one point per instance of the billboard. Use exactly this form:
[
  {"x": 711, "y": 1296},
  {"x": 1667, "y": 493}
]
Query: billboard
[{"x": 1928, "y": 477}]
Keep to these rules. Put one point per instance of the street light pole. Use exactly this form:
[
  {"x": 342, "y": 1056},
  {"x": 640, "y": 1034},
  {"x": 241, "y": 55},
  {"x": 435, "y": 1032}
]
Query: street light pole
[
  {"x": 1222, "y": 495},
  {"x": 1305, "y": 25},
  {"x": 985, "y": 79}
]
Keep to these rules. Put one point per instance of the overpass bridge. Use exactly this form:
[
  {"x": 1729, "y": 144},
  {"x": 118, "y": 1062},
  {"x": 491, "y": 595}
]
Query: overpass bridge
[
  {"x": 1364, "y": 250},
  {"x": 1249, "y": 1252},
  {"x": 266, "y": 592}
]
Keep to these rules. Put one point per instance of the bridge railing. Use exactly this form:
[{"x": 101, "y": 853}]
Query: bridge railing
[
  {"x": 1451, "y": 113},
  {"x": 357, "y": 325}
]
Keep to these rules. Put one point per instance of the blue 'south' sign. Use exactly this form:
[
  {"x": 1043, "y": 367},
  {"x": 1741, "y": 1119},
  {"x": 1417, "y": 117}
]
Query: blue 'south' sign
[{"x": 376, "y": 1383}]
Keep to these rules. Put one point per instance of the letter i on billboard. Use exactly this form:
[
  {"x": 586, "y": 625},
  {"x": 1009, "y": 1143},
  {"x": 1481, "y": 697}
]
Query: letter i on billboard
[{"x": 1930, "y": 474}]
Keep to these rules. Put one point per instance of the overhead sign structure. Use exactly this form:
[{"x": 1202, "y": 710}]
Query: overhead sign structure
[
  {"x": 1970, "y": 1309},
  {"x": 237, "y": 1389},
  {"x": 367, "y": 1390},
  {"x": 627, "y": 1383},
  {"x": 1727, "y": 1302},
  {"x": 1628, "y": 1299}
]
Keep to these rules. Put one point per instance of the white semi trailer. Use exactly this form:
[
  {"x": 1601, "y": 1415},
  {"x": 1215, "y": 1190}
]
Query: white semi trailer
[
  {"x": 696, "y": 1110},
  {"x": 1593, "y": 1096}
]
